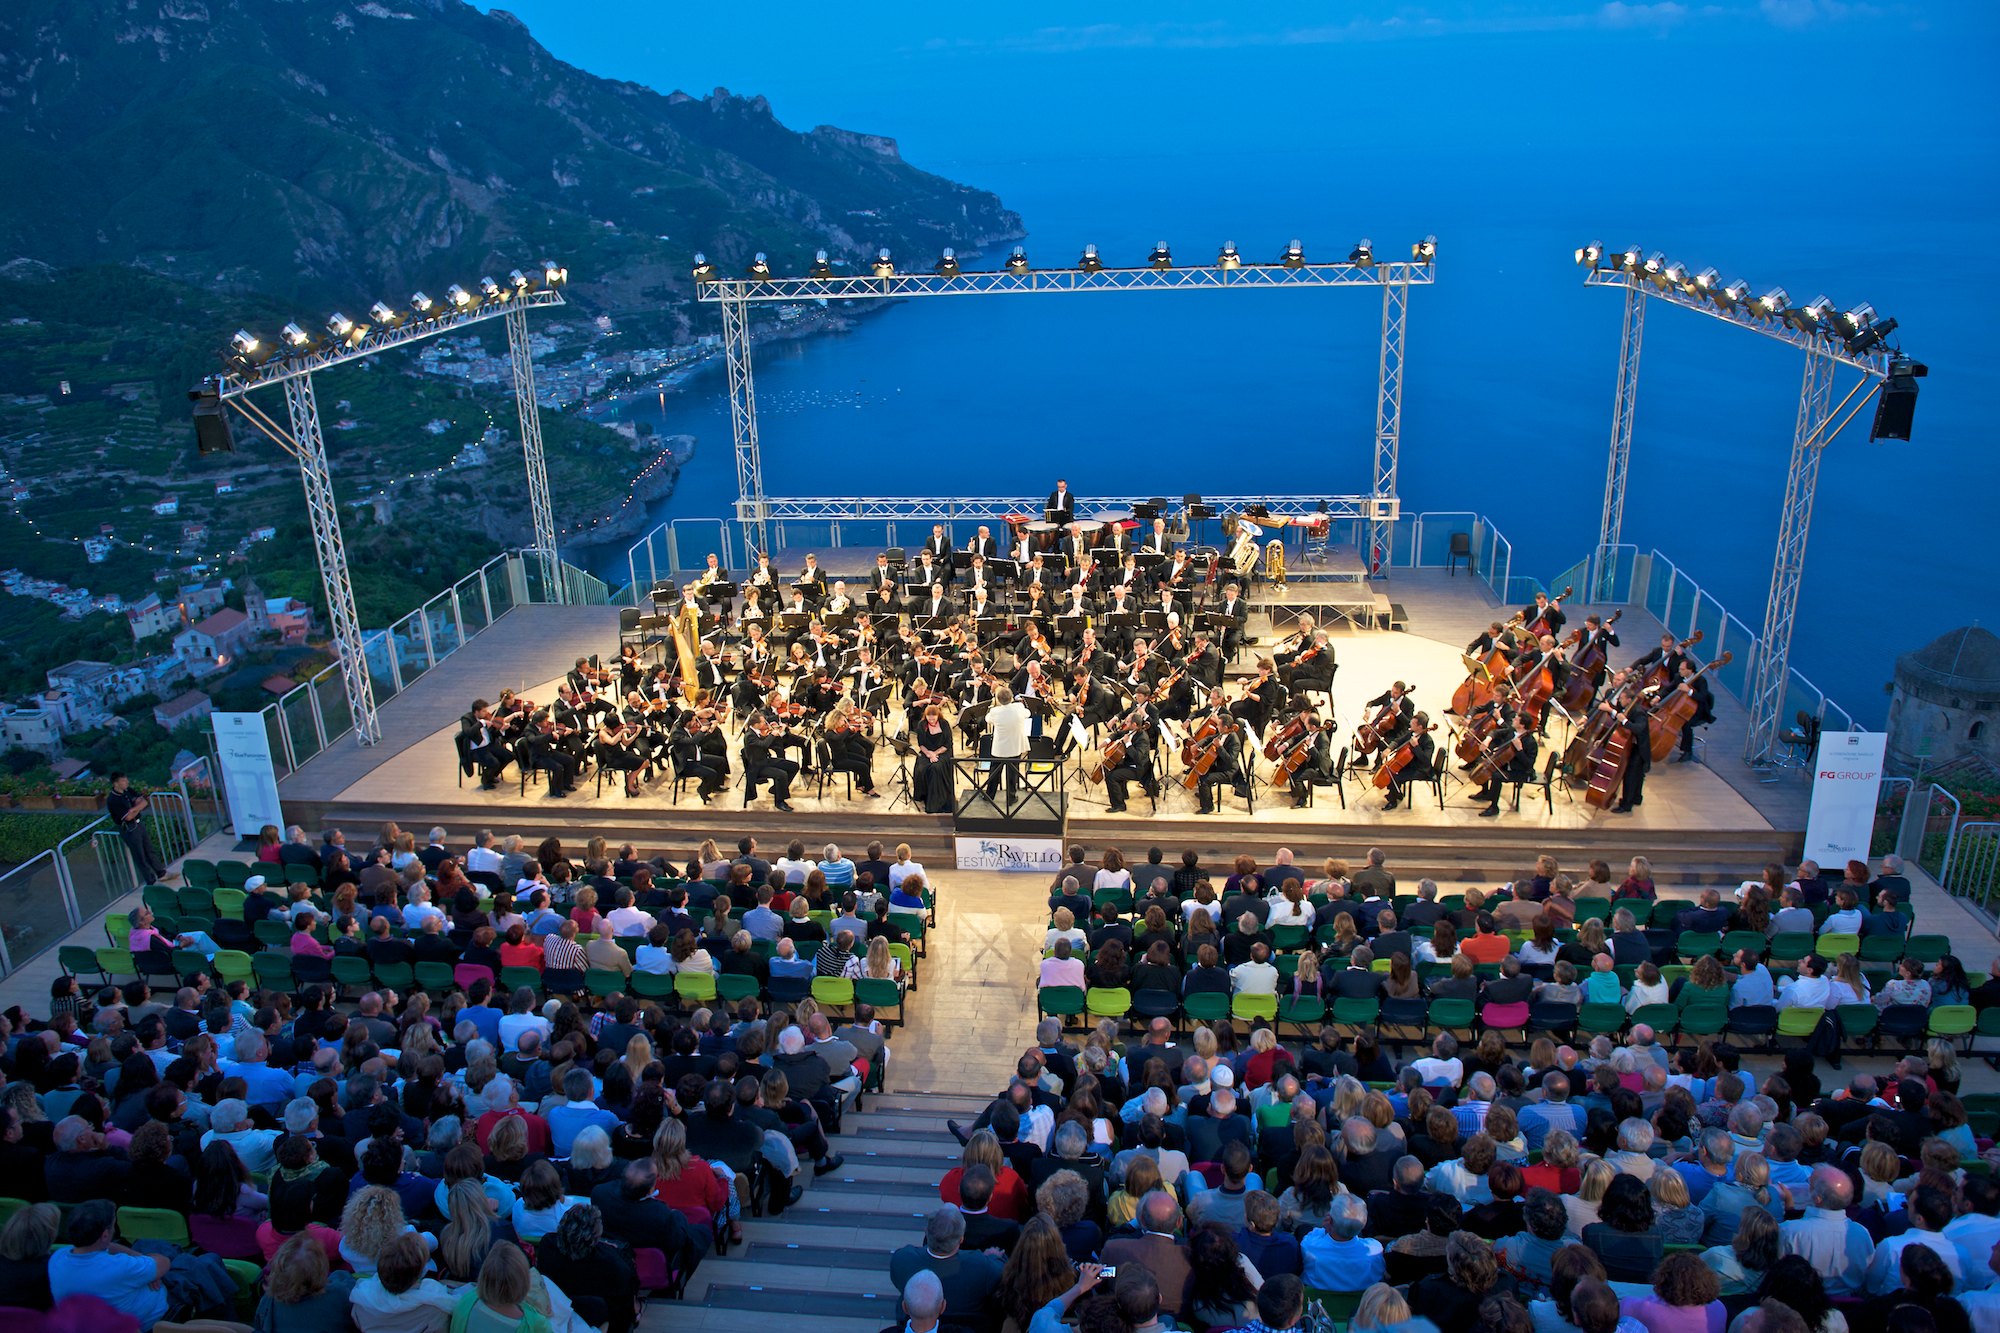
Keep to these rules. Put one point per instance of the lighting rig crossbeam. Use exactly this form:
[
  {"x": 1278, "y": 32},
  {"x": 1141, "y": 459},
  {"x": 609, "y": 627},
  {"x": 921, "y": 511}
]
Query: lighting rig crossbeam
[
  {"x": 948, "y": 509},
  {"x": 1059, "y": 280}
]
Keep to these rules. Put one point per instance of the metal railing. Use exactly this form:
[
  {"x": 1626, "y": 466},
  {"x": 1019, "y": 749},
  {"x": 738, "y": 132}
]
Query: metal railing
[
  {"x": 1938, "y": 812},
  {"x": 1972, "y": 871},
  {"x": 314, "y": 715},
  {"x": 1892, "y": 804}
]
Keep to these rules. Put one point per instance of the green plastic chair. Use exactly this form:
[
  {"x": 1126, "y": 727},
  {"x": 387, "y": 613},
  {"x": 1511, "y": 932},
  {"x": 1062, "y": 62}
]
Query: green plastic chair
[
  {"x": 834, "y": 992},
  {"x": 234, "y": 965},
  {"x": 604, "y": 982},
  {"x": 1860, "y": 1020},
  {"x": 1880, "y": 948},
  {"x": 1982, "y": 1109},
  {"x": 1301, "y": 1011},
  {"x": 699, "y": 987},
  {"x": 1790, "y": 946},
  {"x": 879, "y": 994},
  {"x": 273, "y": 933},
  {"x": 1603, "y": 1018},
  {"x": 1927, "y": 949},
  {"x": 191, "y": 901},
  {"x": 233, "y": 874},
  {"x": 1593, "y": 909},
  {"x": 1205, "y": 1007},
  {"x": 1799, "y": 1022},
  {"x": 299, "y": 874},
  {"x": 118, "y": 929},
  {"x": 229, "y": 903},
  {"x": 1285, "y": 938},
  {"x": 1251, "y": 1008},
  {"x": 272, "y": 970},
  {"x": 513, "y": 978},
  {"x": 1659, "y": 1017},
  {"x": 161, "y": 899},
  {"x": 1451, "y": 1014},
  {"x": 395, "y": 976},
  {"x": 1736, "y": 941},
  {"x": 1949, "y": 1021},
  {"x": 351, "y": 972},
  {"x": 199, "y": 873},
  {"x": 434, "y": 977},
  {"x": 153, "y": 1224},
  {"x": 77, "y": 959},
  {"x": 247, "y": 1277},
  {"x": 652, "y": 985},
  {"x": 116, "y": 963},
  {"x": 1833, "y": 946},
  {"x": 1355, "y": 1013},
  {"x": 1339, "y": 1305},
  {"x": 1106, "y": 1002},
  {"x": 1059, "y": 1001}
]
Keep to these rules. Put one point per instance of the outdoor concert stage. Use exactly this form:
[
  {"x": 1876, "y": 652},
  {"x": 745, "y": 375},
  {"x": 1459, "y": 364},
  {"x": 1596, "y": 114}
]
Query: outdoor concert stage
[{"x": 1701, "y": 822}]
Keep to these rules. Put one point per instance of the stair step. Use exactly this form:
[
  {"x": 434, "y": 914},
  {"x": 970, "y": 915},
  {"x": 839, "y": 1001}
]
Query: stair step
[
  {"x": 847, "y": 1215},
  {"x": 912, "y": 1155},
  {"x": 878, "y": 1233},
  {"x": 867, "y": 1276},
  {"x": 792, "y": 1300},
  {"x": 913, "y": 1132},
  {"x": 844, "y": 1185},
  {"x": 817, "y": 1256}
]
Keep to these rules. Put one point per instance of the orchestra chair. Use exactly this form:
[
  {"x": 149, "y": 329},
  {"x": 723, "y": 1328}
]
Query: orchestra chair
[
  {"x": 1799, "y": 742},
  {"x": 1337, "y": 781},
  {"x": 1461, "y": 549}
]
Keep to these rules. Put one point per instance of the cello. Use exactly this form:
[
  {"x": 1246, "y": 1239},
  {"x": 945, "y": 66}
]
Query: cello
[
  {"x": 1481, "y": 673},
  {"x": 1114, "y": 753},
  {"x": 1656, "y": 674},
  {"x": 1282, "y": 738},
  {"x": 1671, "y": 716},
  {"x": 1199, "y": 737},
  {"x": 1405, "y": 754},
  {"x": 1492, "y": 759},
  {"x": 1584, "y": 668},
  {"x": 1203, "y": 761},
  {"x": 1294, "y": 759},
  {"x": 1368, "y": 737}
]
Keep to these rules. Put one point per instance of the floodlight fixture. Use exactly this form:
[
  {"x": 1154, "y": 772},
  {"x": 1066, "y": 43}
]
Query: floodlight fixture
[
  {"x": 492, "y": 290},
  {"x": 1590, "y": 254},
  {"x": 1228, "y": 257},
  {"x": 420, "y": 304},
  {"x": 339, "y": 325},
  {"x": 1812, "y": 317},
  {"x": 519, "y": 279},
  {"x": 554, "y": 274},
  {"x": 1734, "y": 294},
  {"x": 382, "y": 313},
  {"x": 1867, "y": 339},
  {"x": 1424, "y": 251},
  {"x": 1707, "y": 283},
  {"x": 1162, "y": 258},
  {"x": 1363, "y": 254},
  {"x": 760, "y": 267},
  {"x": 1774, "y": 303},
  {"x": 1017, "y": 263},
  {"x": 1677, "y": 276},
  {"x": 947, "y": 265},
  {"x": 820, "y": 269},
  {"x": 1090, "y": 263},
  {"x": 295, "y": 336},
  {"x": 1627, "y": 260},
  {"x": 244, "y": 343},
  {"x": 884, "y": 267},
  {"x": 1860, "y": 317},
  {"x": 458, "y": 296},
  {"x": 703, "y": 270}
]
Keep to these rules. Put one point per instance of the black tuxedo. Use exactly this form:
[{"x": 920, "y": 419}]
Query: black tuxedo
[
  {"x": 1063, "y": 503},
  {"x": 988, "y": 548}
]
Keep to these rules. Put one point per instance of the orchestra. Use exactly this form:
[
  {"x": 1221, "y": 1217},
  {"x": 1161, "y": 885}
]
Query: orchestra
[{"x": 1120, "y": 641}]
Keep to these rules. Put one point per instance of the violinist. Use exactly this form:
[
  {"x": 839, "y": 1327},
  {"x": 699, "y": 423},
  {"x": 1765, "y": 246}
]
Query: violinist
[
  {"x": 1597, "y": 634},
  {"x": 1260, "y": 697},
  {"x": 1704, "y": 708},
  {"x": 1092, "y": 702},
  {"x": 852, "y": 746},
  {"x": 931, "y": 780},
  {"x": 1519, "y": 768},
  {"x": 691, "y": 760},
  {"x": 866, "y": 681},
  {"x": 1204, "y": 662},
  {"x": 513, "y": 713},
  {"x": 764, "y": 746},
  {"x": 1142, "y": 670},
  {"x": 708, "y": 669},
  {"x": 1227, "y": 770},
  {"x": 631, "y": 670},
  {"x": 556, "y": 750},
  {"x": 1423, "y": 761},
  {"x": 1668, "y": 655},
  {"x": 1090, "y": 657},
  {"x": 489, "y": 749},
  {"x": 584, "y": 679},
  {"x": 1394, "y": 729},
  {"x": 1549, "y": 613},
  {"x": 1318, "y": 764},
  {"x": 623, "y": 748},
  {"x": 1135, "y": 765}
]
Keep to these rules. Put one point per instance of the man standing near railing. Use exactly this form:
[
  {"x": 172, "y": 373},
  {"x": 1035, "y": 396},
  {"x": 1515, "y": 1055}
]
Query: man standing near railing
[{"x": 127, "y": 809}]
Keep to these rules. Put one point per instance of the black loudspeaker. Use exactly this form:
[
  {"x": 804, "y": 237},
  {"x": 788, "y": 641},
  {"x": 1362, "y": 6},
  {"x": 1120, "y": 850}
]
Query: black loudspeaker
[
  {"x": 1897, "y": 407},
  {"x": 211, "y": 425}
]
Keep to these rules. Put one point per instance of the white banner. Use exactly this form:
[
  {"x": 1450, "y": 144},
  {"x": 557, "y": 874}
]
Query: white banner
[
  {"x": 1846, "y": 782},
  {"x": 248, "y": 780},
  {"x": 1037, "y": 855}
]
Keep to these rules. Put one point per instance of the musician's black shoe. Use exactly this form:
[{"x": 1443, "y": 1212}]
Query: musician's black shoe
[
  {"x": 1490, "y": 812},
  {"x": 488, "y": 786},
  {"x": 871, "y": 793},
  {"x": 1388, "y": 805},
  {"x": 784, "y": 806},
  {"x": 1117, "y": 809},
  {"x": 1686, "y": 757},
  {"x": 1621, "y": 809}
]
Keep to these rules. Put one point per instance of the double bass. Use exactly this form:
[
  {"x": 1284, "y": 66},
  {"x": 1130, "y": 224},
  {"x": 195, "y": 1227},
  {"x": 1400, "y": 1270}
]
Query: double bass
[
  {"x": 1540, "y": 625},
  {"x": 1671, "y": 716},
  {"x": 1606, "y": 764},
  {"x": 1405, "y": 754},
  {"x": 1584, "y": 668},
  {"x": 1481, "y": 673}
]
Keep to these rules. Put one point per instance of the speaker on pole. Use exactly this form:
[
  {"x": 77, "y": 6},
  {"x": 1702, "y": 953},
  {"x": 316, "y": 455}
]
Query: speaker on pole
[
  {"x": 211, "y": 423},
  {"x": 1897, "y": 407}
]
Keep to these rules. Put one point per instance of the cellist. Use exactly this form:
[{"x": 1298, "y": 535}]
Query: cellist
[
  {"x": 1227, "y": 770},
  {"x": 1704, "y": 708},
  {"x": 1548, "y": 613},
  {"x": 1394, "y": 730},
  {"x": 1556, "y": 663},
  {"x": 1520, "y": 768},
  {"x": 1319, "y": 759},
  {"x": 1423, "y": 761},
  {"x": 1136, "y": 765}
]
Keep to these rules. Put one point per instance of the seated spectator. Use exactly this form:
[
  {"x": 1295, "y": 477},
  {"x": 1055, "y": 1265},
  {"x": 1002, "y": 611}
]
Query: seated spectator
[
  {"x": 1156, "y": 1249},
  {"x": 25, "y": 1245},
  {"x": 1337, "y": 1257},
  {"x": 1451, "y": 1299},
  {"x": 968, "y": 1281},
  {"x": 1624, "y": 1236},
  {"x": 1740, "y": 1265},
  {"x": 300, "y": 1292},
  {"x": 1685, "y": 1299},
  {"x": 1062, "y": 968},
  {"x": 1222, "y": 1287},
  {"x": 1529, "y": 1255},
  {"x": 1273, "y": 1253}
]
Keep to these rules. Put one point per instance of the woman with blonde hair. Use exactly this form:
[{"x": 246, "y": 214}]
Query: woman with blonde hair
[
  {"x": 373, "y": 1217},
  {"x": 1727, "y": 1200},
  {"x": 1011, "y": 1198},
  {"x": 714, "y": 865},
  {"x": 687, "y": 1181},
  {"x": 882, "y": 965},
  {"x": 1142, "y": 1177},
  {"x": 1333, "y": 873},
  {"x": 1382, "y": 1306},
  {"x": 903, "y": 867},
  {"x": 638, "y": 1054},
  {"x": 1582, "y": 1205},
  {"x": 1065, "y": 928},
  {"x": 468, "y": 1232},
  {"x": 500, "y": 1299}
]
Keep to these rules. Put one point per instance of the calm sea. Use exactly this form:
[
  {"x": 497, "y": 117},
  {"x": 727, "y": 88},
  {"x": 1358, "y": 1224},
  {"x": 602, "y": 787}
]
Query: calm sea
[{"x": 1507, "y": 405}]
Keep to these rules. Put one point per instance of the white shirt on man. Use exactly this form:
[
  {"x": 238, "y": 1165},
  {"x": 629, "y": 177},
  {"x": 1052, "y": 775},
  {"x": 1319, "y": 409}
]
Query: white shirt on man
[{"x": 1009, "y": 725}]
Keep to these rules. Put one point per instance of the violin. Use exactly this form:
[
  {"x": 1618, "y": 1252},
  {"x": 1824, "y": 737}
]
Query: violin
[{"x": 1404, "y": 756}]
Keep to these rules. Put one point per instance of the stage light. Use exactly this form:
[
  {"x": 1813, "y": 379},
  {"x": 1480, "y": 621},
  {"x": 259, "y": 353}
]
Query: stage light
[
  {"x": 458, "y": 296},
  {"x": 1735, "y": 294},
  {"x": 703, "y": 270},
  {"x": 339, "y": 325},
  {"x": 245, "y": 344},
  {"x": 295, "y": 335},
  {"x": 421, "y": 304},
  {"x": 1161, "y": 258},
  {"x": 820, "y": 269},
  {"x": 1090, "y": 263},
  {"x": 1363, "y": 254},
  {"x": 1864, "y": 340},
  {"x": 1627, "y": 260},
  {"x": 947, "y": 265},
  {"x": 1705, "y": 283},
  {"x": 381, "y": 313},
  {"x": 1772, "y": 304},
  {"x": 519, "y": 279},
  {"x": 884, "y": 267},
  {"x": 1017, "y": 263},
  {"x": 1656, "y": 264},
  {"x": 1590, "y": 254},
  {"x": 1228, "y": 257},
  {"x": 1425, "y": 251},
  {"x": 1676, "y": 275},
  {"x": 1294, "y": 256},
  {"x": 1810, "y": 317},
  {"x": 554, "y": 274},
  {"x": 760, "y": 267},
  {"x": 492, "y": 290},
  {"x": 1859, "y": 318}
]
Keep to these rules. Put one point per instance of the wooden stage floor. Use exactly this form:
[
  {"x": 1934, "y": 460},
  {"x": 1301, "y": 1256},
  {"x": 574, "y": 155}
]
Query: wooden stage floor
[{"x": 412, "y": 776}]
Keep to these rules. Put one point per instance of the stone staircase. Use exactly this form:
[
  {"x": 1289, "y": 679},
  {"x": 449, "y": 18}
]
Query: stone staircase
[{"x": 828, "y": 1254}]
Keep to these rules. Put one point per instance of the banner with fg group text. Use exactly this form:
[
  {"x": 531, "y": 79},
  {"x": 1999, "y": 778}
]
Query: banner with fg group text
[
  {"x": 1034, "y": 855},
  {"x": 1847, "y": 779},
  {"x": 248, "y": 779}
]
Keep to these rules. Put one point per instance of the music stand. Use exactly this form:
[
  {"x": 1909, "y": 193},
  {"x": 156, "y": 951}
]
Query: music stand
[
  {"x": 792, "y": 623},
  {"x": 1003, "y": 569},
  {"x": 1148, "y": 559},
  {"x": 719, "y": 591},
  {"x": 837, "y": 624},
  {"x": 1125, "y": 619},
  {"x": 961, "y": 560},
  {"x": 1145, "y": 511},
  {"x": 1154, "y": 619}
]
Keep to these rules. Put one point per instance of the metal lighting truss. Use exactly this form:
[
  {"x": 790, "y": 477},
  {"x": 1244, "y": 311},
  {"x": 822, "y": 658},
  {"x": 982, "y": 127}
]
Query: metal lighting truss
[
  {"x": 755, "y": 510},
  {"x": 1819, "y": 420},
  {"x": 305, "y": 442}
]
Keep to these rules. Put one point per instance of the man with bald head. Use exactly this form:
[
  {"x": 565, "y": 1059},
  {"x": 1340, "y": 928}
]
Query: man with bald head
[
  {"x": 1155, "y": 1249},
  {"x": 1838, "y": 1247}
]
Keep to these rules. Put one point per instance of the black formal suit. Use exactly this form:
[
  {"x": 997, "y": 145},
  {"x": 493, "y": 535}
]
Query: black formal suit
[
  {"x": 939, "y": 547},
  {"x": 764, "y": 761},
  {"x": 882, "y": 594},
  {"x": 1136, "y": 766},
  {"x": 1062, "y": 503},
  {"x": 1421, "y": 768},
  {"x": 1704, "y": 712},
  {"x": 1226, "y": 771},
  {"x": 1551, "y": 616},
  {"x": 988, "y": 548},
  {"x": 1640, "y": 762}
]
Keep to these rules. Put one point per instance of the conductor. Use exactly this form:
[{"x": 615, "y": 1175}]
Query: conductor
[{"x": 1007, "y": 724}]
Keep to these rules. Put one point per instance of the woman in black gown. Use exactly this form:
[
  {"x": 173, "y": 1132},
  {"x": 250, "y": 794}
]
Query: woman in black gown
[{"x": 931, "y": 779}]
